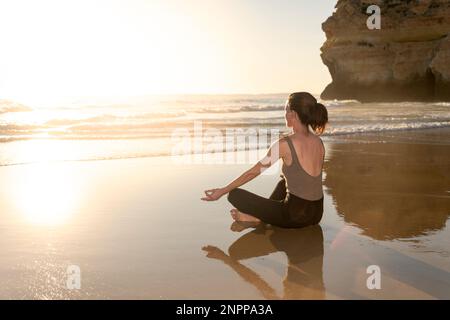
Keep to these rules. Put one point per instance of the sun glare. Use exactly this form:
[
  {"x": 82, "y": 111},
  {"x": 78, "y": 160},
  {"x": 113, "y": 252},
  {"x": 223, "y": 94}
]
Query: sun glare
[
  {"x": 59, "y": 51},
  {"x": 45, "y": 195},
  {"x": 101, "y": 48}
]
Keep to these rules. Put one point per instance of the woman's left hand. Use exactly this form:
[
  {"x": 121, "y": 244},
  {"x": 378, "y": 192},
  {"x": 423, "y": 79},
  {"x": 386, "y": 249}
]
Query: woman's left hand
[
  {"x": 215, "y": 253},
  {"x": 214, "y": 194}
]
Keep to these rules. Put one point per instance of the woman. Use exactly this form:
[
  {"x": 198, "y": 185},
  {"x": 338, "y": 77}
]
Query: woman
[{"x": 297, "y": 200}]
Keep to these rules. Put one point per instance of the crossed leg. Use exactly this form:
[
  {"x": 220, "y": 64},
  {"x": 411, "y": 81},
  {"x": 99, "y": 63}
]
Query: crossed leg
[{"x": 253, "y": 208}]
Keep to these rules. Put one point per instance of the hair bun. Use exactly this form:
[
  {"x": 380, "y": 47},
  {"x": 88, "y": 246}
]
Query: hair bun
[{"x": 309, "y": 110}]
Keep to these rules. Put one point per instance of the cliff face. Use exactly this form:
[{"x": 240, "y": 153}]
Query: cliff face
[{"x": 407, "y": 59}]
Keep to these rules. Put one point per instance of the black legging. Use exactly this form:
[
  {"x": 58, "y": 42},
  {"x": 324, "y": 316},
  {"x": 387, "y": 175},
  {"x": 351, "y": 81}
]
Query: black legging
[{"x": 282, "y": 209}]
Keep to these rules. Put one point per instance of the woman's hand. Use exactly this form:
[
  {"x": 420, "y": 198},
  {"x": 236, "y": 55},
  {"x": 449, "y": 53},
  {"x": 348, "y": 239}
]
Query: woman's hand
[
  {"x": 214, "y": 194},
  {"x": 215, "y": 253}
]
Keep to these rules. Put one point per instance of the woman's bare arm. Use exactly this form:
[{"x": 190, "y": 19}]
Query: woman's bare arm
[
  {"x": 246, "y": 273},
  {"x": 271, "y": 157}
]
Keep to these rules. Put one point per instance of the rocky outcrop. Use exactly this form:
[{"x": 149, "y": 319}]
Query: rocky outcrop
[{"x": 407, "y": 59}]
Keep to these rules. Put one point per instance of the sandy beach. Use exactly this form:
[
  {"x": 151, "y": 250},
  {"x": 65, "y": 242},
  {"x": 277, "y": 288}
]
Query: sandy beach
[{"x": 136, "y": 228}]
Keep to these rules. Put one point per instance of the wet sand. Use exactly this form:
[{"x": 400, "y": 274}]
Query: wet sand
[{"x": 136, "y": 228}]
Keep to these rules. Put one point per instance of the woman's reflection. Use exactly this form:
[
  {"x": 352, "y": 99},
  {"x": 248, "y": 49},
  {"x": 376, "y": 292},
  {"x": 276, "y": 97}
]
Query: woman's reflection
[{"x": 304, "y": 251}]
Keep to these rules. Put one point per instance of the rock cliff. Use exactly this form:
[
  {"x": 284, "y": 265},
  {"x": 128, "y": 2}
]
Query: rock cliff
[{"x": 407, "y": 59}]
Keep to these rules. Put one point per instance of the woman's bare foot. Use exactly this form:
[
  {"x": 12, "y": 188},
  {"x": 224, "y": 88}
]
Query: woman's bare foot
[{"x": 242, "y": 217}]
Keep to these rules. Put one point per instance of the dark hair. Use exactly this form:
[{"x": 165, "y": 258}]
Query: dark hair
[{"x": 309, "y": 111}]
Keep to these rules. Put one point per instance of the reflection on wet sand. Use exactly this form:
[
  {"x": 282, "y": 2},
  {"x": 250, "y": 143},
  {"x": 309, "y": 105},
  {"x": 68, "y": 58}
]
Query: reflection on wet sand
[
  {"x": 390, "y": 190},
  {"x": 304, "y": 251}
]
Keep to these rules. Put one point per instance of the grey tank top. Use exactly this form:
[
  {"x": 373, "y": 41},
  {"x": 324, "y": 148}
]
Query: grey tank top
[{"x": 298, "y": 181}]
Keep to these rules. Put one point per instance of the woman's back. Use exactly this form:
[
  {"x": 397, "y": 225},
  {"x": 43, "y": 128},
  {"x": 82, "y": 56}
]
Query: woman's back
[{"x": 303, "y": 169}]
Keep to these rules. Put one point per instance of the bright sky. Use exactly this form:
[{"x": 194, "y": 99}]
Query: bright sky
[{"x": 54, "y": 50}]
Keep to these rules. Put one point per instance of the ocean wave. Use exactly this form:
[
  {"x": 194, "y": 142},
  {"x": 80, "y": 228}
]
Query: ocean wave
[
  {"x": 356, "y": 129},
  {"x": 338, "y": 103},
  {"x": 11, "y": 106},
  {"x": 123, "y": 131},
  {"x": 125, "y": 122},
  {"x": 167, "y": 151},
  {"x": 111, "y": 117},
  {"x": 442, "y": 104},
  {"x": 19, "y": 128},
  {"x": 235, "y": 109}
]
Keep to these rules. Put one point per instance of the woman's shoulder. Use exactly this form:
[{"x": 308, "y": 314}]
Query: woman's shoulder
[
  {"x": 283, "y": 140},
  {"x": 291, "y": 136},
  {"x": 285, "y": 137},
  {"x": 316, "y": 139},
  {"x": 319, "y": 139},
  {"x": 281, "y": 145}
]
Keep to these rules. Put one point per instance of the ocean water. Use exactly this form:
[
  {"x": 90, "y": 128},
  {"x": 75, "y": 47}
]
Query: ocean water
[{"x": 155, "y": 125}]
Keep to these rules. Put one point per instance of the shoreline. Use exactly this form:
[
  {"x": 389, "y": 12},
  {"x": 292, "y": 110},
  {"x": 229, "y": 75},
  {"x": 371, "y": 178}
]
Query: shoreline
[{"x": 388, "y": 136}]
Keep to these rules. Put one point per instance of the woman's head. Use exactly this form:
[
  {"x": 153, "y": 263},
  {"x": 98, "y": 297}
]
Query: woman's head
[{"x": 303, "y": 107}]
